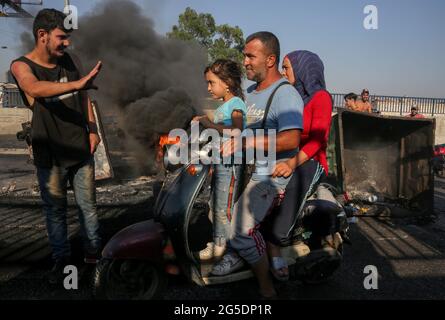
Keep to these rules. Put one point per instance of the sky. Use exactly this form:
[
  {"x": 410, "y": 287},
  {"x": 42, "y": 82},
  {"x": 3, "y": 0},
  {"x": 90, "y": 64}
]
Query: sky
[{"x": 404, "y": 56}]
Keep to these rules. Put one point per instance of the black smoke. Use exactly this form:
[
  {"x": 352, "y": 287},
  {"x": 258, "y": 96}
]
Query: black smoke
[
  {"x": 149, "y": 83},
  {"x": 156, "y": 83}
]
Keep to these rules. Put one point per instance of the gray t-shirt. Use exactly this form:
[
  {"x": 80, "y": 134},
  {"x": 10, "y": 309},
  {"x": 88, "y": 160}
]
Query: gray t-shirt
[{"x": 285, "y": 113}]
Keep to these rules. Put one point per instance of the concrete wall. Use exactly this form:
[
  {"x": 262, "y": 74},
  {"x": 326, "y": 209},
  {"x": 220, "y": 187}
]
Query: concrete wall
[
  {"x": 11, "y": 119},
  {"x": 440, "y": 130}
]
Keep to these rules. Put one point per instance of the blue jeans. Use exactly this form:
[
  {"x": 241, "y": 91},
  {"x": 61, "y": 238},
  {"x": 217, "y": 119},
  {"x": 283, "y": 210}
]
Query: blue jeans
[
  {"x": 53, "y": 187},
  {"x": 225, "y": 181}
]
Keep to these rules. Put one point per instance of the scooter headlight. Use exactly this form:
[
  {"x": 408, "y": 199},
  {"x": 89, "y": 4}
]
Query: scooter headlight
[{"x": 194, "y": 169}]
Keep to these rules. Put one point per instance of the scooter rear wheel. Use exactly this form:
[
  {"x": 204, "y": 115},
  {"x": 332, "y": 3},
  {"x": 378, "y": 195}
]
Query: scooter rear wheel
[
  {"x": 128, "y": 280},
  {"x": 318, "y": 267}
]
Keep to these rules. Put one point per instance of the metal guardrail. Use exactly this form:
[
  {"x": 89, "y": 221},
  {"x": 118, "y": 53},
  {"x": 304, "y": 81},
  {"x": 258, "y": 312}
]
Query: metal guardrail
[
  {"x": 400, "y": 105},
  {"x": 11, "y": 98}
]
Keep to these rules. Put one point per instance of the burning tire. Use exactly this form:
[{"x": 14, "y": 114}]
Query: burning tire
[{"x": 128, "y": 280}]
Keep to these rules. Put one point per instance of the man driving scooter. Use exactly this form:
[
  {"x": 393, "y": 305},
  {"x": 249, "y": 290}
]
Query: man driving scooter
[{"x": 261, "y": 59}]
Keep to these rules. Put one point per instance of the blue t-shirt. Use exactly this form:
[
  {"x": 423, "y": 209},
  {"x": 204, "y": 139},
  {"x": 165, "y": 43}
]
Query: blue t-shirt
[
  {"x": 285, "y": 113},
  {"x": 223, "y": 115}
]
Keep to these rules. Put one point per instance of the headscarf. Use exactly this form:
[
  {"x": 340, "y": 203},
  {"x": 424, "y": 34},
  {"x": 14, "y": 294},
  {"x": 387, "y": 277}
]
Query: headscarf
[{"x": 309, "y": 73}]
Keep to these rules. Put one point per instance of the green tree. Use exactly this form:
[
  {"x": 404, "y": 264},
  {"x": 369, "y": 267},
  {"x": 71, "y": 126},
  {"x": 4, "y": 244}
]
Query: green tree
[{"x": 221, "y": 41}]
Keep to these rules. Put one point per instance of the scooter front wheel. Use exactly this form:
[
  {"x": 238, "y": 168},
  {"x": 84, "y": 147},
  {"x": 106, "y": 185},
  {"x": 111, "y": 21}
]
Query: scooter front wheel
[{"x": 128, "y": 280}]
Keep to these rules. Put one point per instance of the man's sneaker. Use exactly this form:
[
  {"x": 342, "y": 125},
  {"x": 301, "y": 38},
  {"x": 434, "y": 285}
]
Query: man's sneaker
[
  {"x": 229, "y": 264},
  {"x": 211, "y": 252},
  {"x": 56, "y": 275}
]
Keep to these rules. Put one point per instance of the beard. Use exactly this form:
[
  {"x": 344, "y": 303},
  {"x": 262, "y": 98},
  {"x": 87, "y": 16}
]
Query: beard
[
  {"x": 57, "y": 52},
  {"x": 255, "y": 76}
]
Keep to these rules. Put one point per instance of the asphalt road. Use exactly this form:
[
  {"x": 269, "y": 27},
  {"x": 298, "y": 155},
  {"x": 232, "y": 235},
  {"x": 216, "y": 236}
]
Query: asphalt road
[{"x": 409, "y": 257}]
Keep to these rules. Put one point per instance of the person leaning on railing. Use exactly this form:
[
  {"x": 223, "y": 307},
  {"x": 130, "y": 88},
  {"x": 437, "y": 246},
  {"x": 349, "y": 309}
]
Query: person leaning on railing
[
  {"x": 353, "y": 103},
  {"x": 365, "y": 103},
  {"x": 415, "y": 113}
]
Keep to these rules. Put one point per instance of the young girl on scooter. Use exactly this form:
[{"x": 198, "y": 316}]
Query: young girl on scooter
[{"x": 223, "y": 83}]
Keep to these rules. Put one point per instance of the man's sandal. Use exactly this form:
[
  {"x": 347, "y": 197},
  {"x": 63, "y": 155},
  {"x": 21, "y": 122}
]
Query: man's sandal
[{"x": 279, "y": 269}]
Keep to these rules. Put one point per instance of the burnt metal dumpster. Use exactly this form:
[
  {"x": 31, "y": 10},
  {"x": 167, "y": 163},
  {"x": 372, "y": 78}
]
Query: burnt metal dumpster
[{"x": 384, "y": 156}]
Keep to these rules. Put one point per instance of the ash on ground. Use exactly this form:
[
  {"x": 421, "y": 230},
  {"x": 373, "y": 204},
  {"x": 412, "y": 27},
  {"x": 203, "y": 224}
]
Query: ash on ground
[{"x": 18, "y": 184}]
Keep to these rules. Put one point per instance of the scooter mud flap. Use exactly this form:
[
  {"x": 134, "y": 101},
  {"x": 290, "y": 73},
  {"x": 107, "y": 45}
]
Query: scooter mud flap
[{"x": 175, "y": 216}]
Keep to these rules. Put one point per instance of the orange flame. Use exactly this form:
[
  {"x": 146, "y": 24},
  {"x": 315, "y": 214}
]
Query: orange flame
[{"x": 164, "y": 140}]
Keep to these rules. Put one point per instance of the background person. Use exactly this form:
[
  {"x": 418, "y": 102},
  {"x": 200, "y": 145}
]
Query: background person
[
  {"x": 415, "y": 113},
  {"x": 366, "y": 104},
  {"x": 351, "y": 101}
]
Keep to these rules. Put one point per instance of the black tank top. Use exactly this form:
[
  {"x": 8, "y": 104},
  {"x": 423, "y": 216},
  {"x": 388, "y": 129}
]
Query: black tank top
[{"x": 59, "y": 124}]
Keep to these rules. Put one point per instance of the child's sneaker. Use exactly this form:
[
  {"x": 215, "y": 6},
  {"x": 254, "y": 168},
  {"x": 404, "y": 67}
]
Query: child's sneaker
[{"x": 211, "y": 252}]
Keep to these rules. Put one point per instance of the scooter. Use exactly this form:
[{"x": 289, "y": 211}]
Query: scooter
[{"x": 136, "y": 261}]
